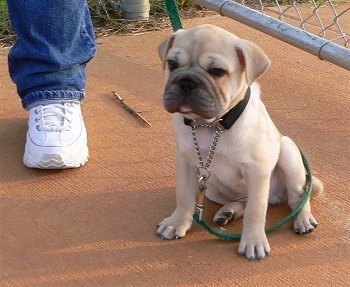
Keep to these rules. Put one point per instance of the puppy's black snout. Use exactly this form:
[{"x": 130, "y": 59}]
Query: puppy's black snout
[{"x": 187, "y": 85}]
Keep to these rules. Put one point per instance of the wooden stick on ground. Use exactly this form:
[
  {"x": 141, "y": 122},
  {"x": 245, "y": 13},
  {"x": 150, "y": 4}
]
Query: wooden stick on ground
[{"x": 130, "y": 109}]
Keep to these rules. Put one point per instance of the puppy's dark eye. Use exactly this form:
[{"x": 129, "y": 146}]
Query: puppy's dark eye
[
  {"x": 217, "y": 72},
  {"x": 172, "y": 65}
]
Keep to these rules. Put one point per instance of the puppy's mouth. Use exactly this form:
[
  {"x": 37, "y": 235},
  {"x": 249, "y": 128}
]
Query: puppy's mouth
[
  {"x": 192, "y": 92},
  {"x": 185, "y": 110}
]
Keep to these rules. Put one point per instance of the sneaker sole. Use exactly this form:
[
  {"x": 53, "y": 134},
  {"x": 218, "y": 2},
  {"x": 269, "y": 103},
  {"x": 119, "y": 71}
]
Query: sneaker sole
[{"x": 55, "y": 161}]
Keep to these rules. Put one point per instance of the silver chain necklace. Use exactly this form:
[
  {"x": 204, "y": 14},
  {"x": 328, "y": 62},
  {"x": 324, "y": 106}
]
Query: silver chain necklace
[{"x": 203, "y": 170}]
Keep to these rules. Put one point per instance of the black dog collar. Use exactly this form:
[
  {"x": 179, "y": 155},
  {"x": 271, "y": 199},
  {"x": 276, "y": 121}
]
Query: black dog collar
[{"x": 228, "y": 119}]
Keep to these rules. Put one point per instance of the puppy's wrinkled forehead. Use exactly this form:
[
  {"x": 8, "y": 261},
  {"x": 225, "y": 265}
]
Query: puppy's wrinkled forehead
[{"x": 203, "y": 46}]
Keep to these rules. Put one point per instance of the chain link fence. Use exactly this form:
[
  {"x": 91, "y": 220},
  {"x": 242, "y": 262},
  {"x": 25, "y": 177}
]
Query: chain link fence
[
  {"x": 319, "y": 27},
  {"x": 322, "y": 18}
]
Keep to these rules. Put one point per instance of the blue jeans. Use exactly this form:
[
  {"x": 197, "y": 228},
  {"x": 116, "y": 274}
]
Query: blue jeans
[{"x": 55, "y": 41}]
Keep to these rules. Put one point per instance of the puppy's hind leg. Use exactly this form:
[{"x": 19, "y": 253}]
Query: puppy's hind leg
[{"x": 291, "y": 164}]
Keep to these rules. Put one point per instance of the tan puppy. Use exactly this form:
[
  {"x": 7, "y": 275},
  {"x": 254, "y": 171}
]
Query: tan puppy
[{"x": 208, "y": 72}]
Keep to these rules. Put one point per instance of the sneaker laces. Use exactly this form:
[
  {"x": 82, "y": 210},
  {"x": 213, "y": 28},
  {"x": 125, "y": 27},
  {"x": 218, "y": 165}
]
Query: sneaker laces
[{"x": 54, "y": 117}]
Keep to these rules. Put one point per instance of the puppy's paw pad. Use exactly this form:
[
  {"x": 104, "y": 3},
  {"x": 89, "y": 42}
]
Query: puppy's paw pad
[
  {"x": 223, "y": 218},
  {"x": 229, "y": 212}
]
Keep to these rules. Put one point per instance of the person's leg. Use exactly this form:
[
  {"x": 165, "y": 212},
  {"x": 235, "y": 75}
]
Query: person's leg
[{"x": 47, "y": 63}]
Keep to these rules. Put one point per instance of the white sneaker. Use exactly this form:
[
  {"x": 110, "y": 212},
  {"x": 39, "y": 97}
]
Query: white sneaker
[{"x": 56, "y": 137}]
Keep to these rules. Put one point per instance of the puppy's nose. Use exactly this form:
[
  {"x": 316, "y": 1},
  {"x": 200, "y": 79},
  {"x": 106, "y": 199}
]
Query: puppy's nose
[{"x": 187, "y": 85}]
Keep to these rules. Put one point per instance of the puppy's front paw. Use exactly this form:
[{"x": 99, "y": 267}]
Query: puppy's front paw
[
  {"x": 174, "y": 227},
  {"x": 254, "y": 246},
  {"x": 304, "y": 223}
]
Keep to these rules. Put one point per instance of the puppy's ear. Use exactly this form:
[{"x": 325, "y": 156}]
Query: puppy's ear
[
  {"x": 253, "y": 60},
  {"x": 165, "y": 45}
]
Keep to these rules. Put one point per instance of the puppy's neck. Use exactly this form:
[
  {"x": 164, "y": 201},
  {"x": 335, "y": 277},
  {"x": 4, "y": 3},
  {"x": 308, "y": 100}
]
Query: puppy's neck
[
  {"x": 240, "y": 96},
  {"x": 227, "y": 120}
]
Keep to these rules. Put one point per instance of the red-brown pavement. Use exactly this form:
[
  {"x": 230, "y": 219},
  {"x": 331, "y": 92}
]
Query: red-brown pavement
[{"x": 95, "y": 226}]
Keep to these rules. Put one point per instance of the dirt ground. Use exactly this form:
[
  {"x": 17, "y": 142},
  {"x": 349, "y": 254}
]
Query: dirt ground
[{"x": 95, "y": 226}]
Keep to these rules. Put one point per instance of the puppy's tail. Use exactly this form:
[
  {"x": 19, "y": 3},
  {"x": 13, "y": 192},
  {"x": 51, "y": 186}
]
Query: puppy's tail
[{"x": 317, "y": 187}]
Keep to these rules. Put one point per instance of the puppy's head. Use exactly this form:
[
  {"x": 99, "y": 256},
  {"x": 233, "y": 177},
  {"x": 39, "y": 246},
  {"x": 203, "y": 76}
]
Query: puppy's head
[{"x": 208, "y": 70}]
